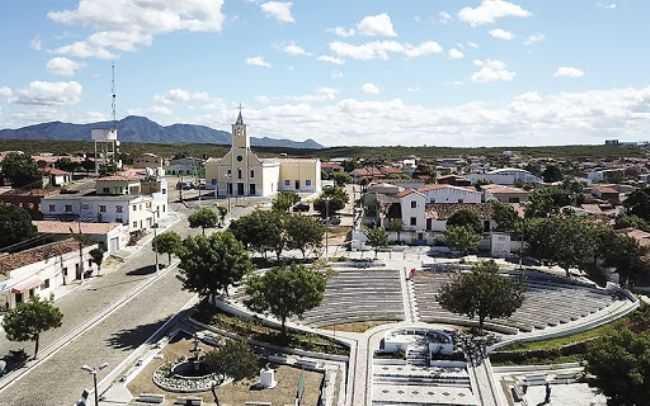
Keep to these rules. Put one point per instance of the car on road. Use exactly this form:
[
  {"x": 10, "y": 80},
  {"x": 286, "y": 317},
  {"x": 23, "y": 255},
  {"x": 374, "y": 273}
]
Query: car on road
[{"x": 301, "y": 207}]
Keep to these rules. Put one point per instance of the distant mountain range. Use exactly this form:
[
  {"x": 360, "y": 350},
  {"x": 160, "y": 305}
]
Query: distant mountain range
[{"x": 143, "y": 130}]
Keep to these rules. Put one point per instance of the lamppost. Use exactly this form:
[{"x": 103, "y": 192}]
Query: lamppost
[
  {"x": 93, "y": 372},
  {"x": 154, "y": 225}
]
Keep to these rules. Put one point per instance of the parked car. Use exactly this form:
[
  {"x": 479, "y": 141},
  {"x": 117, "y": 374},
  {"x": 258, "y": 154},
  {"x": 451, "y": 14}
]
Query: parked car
[{"x": 301, "y": 207}]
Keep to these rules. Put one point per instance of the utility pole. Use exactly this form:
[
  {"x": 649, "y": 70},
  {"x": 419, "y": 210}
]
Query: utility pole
[{"x": 93, "y": 372}]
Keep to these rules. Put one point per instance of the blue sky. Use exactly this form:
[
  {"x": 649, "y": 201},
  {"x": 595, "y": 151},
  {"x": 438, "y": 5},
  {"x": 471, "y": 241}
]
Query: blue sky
[{"x": 373, "y": 72}]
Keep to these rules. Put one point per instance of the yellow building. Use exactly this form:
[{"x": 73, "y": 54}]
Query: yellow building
[{"x": 242, "y": 173}]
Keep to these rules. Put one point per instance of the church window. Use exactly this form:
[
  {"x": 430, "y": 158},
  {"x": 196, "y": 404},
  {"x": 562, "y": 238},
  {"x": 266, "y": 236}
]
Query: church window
[
  {"x": 229, "y": 172},
  {"x": 239, "y": 158},
  {"x": 287, "y": 182},
  {"x": 308, "y": 182},
  {"x": 252, "y": 173},
  {"x": 238, "y": 173}
]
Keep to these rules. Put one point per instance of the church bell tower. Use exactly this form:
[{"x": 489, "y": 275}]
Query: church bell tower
[{"x": 240, "y": 139}]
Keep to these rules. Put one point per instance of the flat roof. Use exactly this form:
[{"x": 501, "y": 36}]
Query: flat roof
[{"x": 63, "y": 227}]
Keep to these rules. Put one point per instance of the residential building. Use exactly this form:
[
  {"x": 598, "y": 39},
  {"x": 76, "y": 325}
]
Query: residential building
[
  {"x": 42, "y": 271},
  {"x": 450, "y": 194},
  {"x": 504, "y": 176},
  {"x": 148, "y": 160},
  {"x": 504, "y": 194},
  {"x": 186, "y": 167},
  {"x": 111, "y": 237},
  {"x": 242, "y": 173},
  {"x": 55, "y": 177},
  {"x": 28, "y": 199}
]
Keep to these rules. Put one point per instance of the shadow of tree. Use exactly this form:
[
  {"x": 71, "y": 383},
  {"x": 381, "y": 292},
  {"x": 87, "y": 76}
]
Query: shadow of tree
[
  {"x": 130, "y": 339},
  {"x": 145, "y": 270}
]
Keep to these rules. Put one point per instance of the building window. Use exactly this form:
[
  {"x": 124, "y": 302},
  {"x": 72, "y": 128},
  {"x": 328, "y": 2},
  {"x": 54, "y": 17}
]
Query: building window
[
  {"x": 460, "y": 201},
  {"x": 102, "y": 209},
  {"x": 52, "y": 207},
  {"x": 84, "y": 207},
  {"x": 414, "y": 204},
  {"x": 307, "y": 182},
  {"x": 214, "y": 182},
  {"x": 46, "y": 284},
  {"x": 135, "y": 224},
  {"x": 229, "y": 172},
  {"x": 164, "y": 191},
  {"x": 164, "y": 208},
  {"x": 135, "y": 207},
  {"x": 118, "y": 209},
  {"x": 252, "y": 173},
  {"x": 414, "y": 221},
  {"x": 106, "y": 190},
  {"x": 238, "y": 173},
  {"x": 287, "y": 182},
  {"x": 118, "y": 219},
  {"x": 68, "y": 208}
]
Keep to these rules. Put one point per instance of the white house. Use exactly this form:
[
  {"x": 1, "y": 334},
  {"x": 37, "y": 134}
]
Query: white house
[
  {"x": 450, "y": 194},
  {"x": 42, "y": 271},
  {"x": 111, "y": 237},
  {"x": 242, "y": 173},
  {"x": 504, "y": 176}
]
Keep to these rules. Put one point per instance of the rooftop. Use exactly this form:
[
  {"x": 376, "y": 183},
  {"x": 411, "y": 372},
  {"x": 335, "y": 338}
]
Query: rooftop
[
  {"x": 63, "y": 227},
  {"x": 442, "y": 211},
  {"x": 9, "y": 262}
]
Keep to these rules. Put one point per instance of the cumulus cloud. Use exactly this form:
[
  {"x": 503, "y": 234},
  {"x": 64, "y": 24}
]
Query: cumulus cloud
[
  {"x": 383, "y": 49},
  {"x": 62, "y": 66},
  {"x": 370, "y": 88},
  {"x": 568, "y": 72},
  {"x": 294, "y": 50},
  {"x": 377, "y": 26},
  {"x": 174, "y": 96},
  {"x": 491, "y": 70},
  {"x": 499, "y": 33},
  {"x": 342, "y": 31},
  {"x": 320, "y": 95},
  {"x": 6, "y": 91},
  {"x": 281, "y": 11},
  {"x": 44, "y": 93},
  {"x": 454, "y": 53},
  {"x": 331, "y": 59},
  {"x": 258, "y": 61},
  {"x": 490, "y": 11},
  {"x": 122, "y": 25},
  {"x": 534, "y": 39}
]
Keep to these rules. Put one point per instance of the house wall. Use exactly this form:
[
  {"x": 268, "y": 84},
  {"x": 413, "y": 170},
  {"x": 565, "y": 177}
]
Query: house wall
[
  {"x": 408, "y": 212},
  {"x": 452, "y": 195},
  {"x": 304, "y": 171}
]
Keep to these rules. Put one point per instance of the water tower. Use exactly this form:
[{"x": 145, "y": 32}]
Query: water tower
[{"x": 105, "y": 139}]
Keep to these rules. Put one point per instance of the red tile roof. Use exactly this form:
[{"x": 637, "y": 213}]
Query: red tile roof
[
  {"x": 63, "y": 227},
  {"x": 20, "y": 259},
  {"x": 442, "y": 211}
]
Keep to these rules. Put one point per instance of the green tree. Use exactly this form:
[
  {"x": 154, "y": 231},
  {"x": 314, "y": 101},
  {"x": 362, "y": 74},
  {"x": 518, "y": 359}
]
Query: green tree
[
  {"x": 20, "y": 169},
  {"x": 304, "y": 233},
  {"x": 482, "y": 293},
  {"x": 221, "y": 213},
  {"x": 167, "y": 243},
  {"x": 285, "y": 291},
  {"x": 552, "y": 174},
  {"x": 341, "y": 178},
  {"x": 377, "y": 239},
  {"x": 209, "y": 265},
  {"x": 331, "y": 201},
  {"x": 29, "y": 320},
  {"x": 505, "y": 217},
  {"x": 284, "y": 201},
  {"x": 262, "y": 231},
  {"x": 97, "y": 256},
  {"x": 547, "y": 202},
  {"x": 66, "y": 164},
  {"x": 395, "y": 226},
  {"x": 626, "y": 221},
  {"x": 620, "y": 363},
  {"x": 234, "y": 360},
  {"x": 465, "y": 218},
  {"x": 566, "y": 240},
  {"x": 625, "y": 254},
  {"x": 462, "y": 239},
  {"x": 204, "y": 218},
  {"x": 15, "y": 225},
  {"x": 638, "y": 204}
]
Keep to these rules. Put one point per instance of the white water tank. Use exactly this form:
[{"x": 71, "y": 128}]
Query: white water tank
[{"x": 267, "y": 378}]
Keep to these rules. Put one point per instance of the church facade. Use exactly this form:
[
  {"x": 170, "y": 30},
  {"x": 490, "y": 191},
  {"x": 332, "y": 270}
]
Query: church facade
[{"x": 242, "y": 173}]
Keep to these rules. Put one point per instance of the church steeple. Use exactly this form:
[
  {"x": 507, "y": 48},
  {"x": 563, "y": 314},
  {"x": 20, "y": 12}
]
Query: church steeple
[
  {"x": 239, "y": 136},
  {"x": 240, "y": 119}
]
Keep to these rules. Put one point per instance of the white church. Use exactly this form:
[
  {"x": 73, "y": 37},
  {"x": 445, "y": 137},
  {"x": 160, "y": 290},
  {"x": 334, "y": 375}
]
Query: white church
[{"x": 242, "y": 173}]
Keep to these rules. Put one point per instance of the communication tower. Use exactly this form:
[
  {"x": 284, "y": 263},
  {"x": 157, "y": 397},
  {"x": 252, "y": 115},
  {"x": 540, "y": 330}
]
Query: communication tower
[{"x": 105, "y": 139}]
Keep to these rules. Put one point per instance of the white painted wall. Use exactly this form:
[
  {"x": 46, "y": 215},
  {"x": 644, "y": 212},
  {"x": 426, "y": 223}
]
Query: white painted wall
[
  {"x": 418, "y": 211},
  {"x": 452, "y": 195}
]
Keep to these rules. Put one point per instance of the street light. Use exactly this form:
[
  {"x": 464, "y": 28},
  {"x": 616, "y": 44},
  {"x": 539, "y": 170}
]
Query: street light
[
  {"x": 154, "y": 225},
  {"x": 93, "y": 372}
]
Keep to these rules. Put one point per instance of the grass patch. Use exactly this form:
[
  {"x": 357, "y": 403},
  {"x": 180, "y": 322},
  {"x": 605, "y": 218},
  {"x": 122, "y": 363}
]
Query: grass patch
[
  {"x": 359, "y": 327},
  {"x": 256, "y": 330}
]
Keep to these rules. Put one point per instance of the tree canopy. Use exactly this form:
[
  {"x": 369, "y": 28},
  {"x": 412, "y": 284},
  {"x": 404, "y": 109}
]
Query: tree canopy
[
  {"x": 235, "y": 359},
  {"x": 552, "y": 174},
  {"x": 97, "y": 256},
  {"x": 209, "y": 265},
  {"x": 29, "y": 320},
  {"x": 262, "y": 231},
  {"x": 462, "y": 239},
  {"x": 167, "y": 243},
  {"x": 638, "y": 204},
  {"x": 285, "y": 291},
  {"x": 505, "y": 217},
  {"x": 377, "y": 238},
  {"x": 20, "y": 169},
  {"x": 304, "y": 233},
  {"x": 284, "y": 201},
  {"x": 341, "y": 178},
  {"x": 482, "y": 293},
  {"x": 15, "y": 225},
  {"x": 203, "y": 218},
  {"x": 337, "y": 198},
  {"x": 465, "y": 218}
]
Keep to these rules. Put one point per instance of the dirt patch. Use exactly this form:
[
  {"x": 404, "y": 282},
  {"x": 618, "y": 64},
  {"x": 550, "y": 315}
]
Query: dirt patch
[{"x": 360, "y": 327}]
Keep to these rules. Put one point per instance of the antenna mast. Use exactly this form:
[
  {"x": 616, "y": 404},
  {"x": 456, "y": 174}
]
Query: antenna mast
[{"x": 114, "y": 96}]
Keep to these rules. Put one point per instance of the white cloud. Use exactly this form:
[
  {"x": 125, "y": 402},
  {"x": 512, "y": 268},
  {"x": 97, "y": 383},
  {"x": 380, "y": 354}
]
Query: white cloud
[
  {"x": 454, "y": 53},
  {"x": 609, "y": 6},
  {"x": 44, "y": 93},
  {"x": 294, "y": 50},
  {"x": 370, "y": 88},
  {"x": 336, "y": 75},
  {"x": 491, "y": 70},
  {"x": 164, "y": 110},
  {"x": 122, "y": 25},
  {"x": 377, "y": 26},
  {"x": 6, "y": 91},
  {"x": 279, "y": 10},
  {"x": 568, "y": 72},
  {"x": 36, "y": 43},
  {"x": 489, "y": 11},
  {"x": 342, "y": 31},
  {"x": 444, "y": 17},
  {"x": 62, "y": 66},
  {"x": 258, "y": 61},
  {"x": 499, "y": 33},
  {"x": 174, "y": 96},
  {"x": 331, "y": 59},
  {"x": 383, "y": 49},
  {"x": 320, "y": 95},
  {"x": 472, "y": 44},
  {"x": 534, "y": 39}
]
